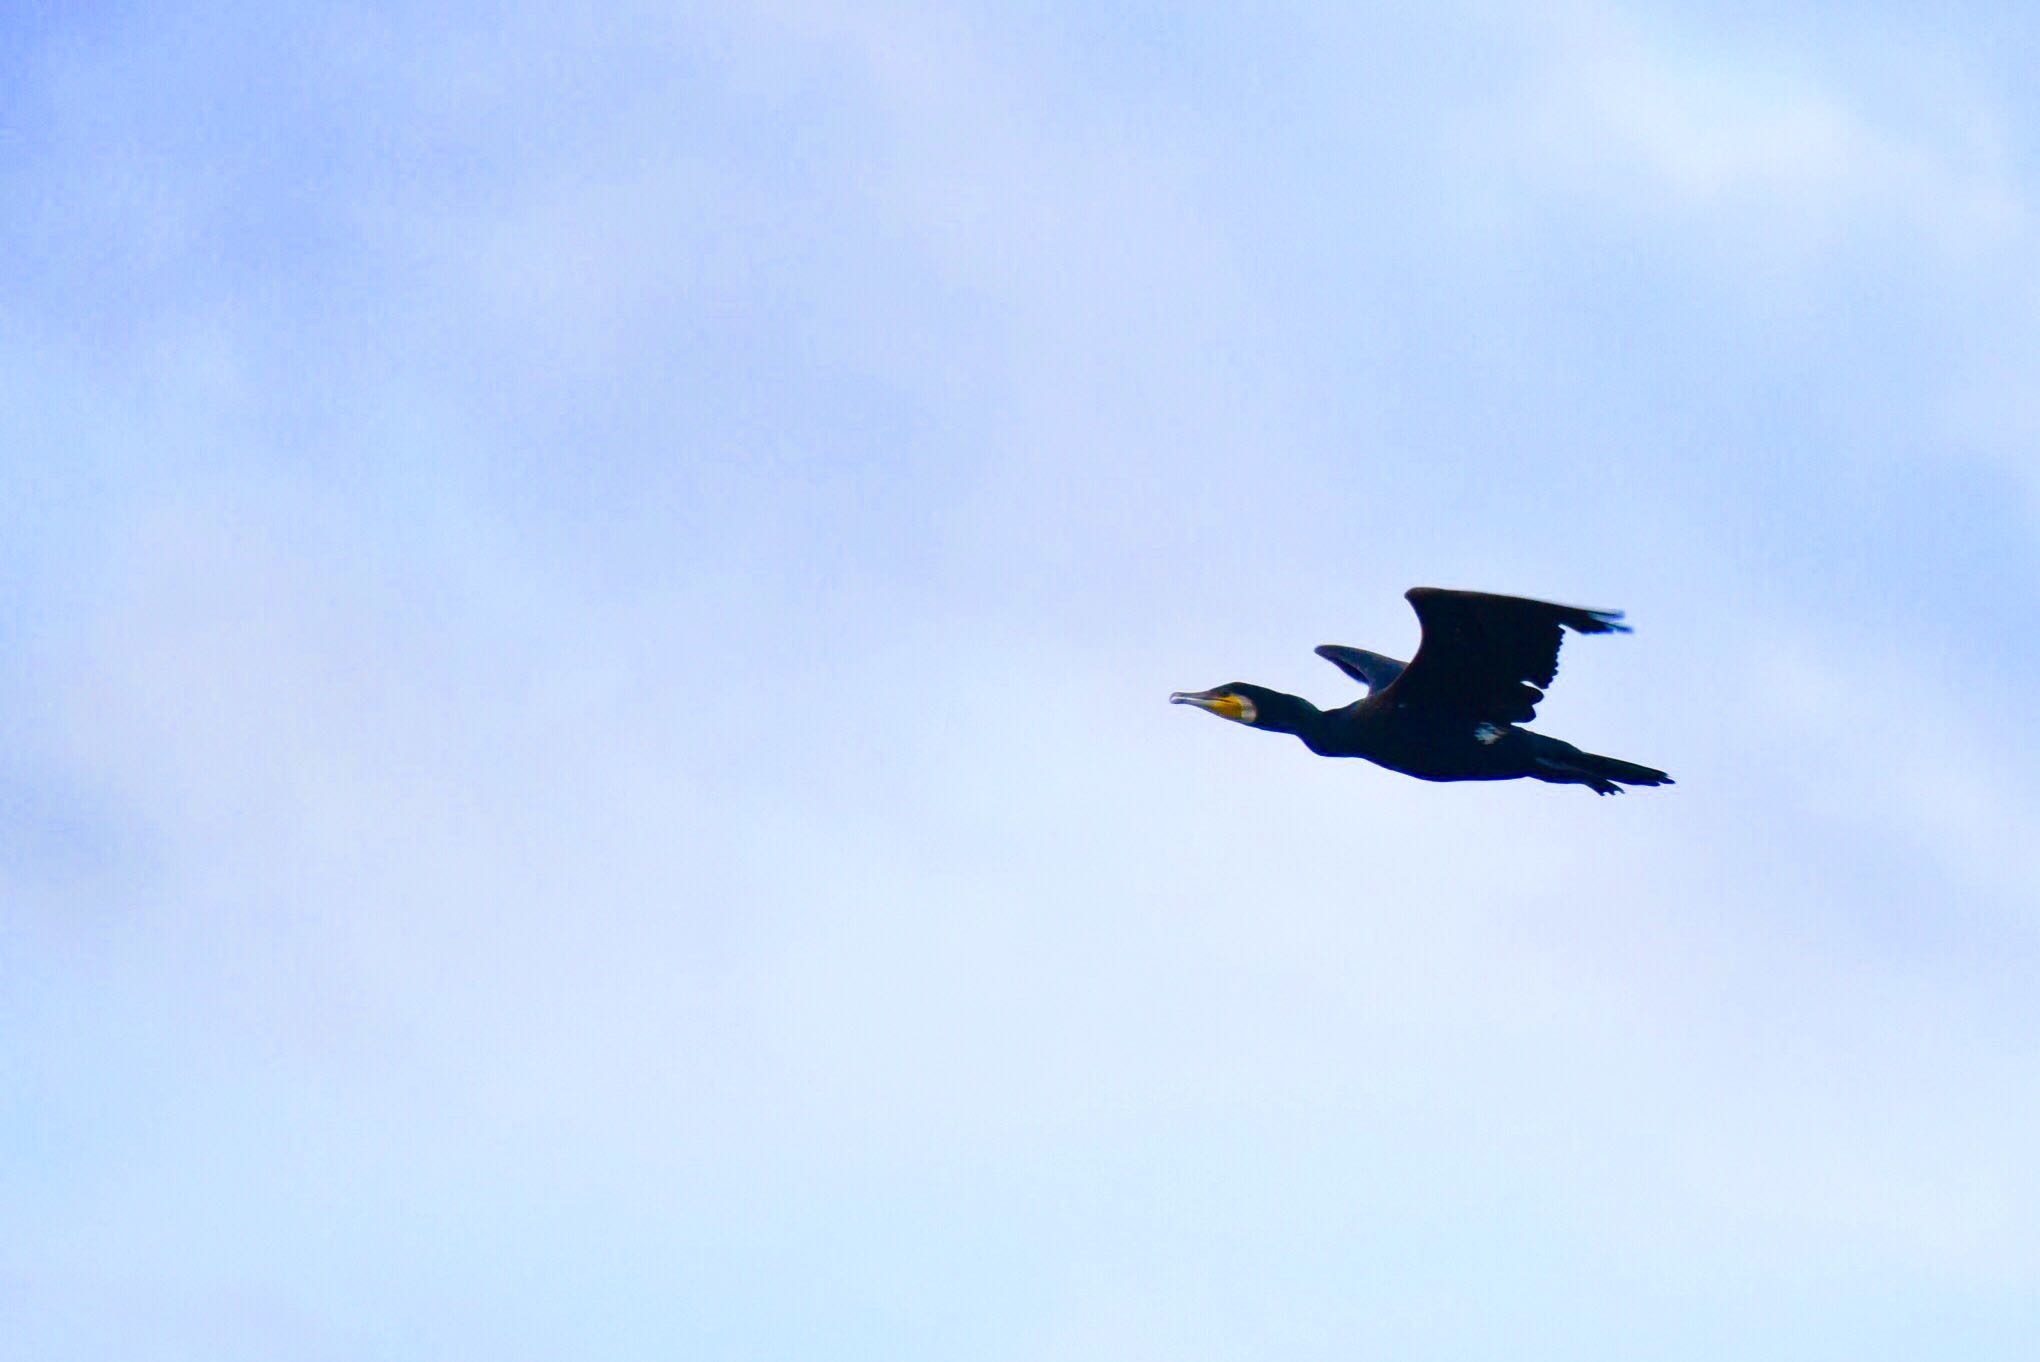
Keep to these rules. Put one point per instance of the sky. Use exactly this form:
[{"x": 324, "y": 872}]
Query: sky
[{"x": 586, "y": 619}]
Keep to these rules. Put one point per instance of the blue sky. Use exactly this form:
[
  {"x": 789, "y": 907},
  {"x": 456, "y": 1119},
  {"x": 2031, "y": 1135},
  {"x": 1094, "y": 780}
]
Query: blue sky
[{"x": 583, "y": 766}]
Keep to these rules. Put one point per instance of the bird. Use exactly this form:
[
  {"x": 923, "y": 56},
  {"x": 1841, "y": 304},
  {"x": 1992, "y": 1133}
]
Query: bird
[{"x": 1454, "y": 711}]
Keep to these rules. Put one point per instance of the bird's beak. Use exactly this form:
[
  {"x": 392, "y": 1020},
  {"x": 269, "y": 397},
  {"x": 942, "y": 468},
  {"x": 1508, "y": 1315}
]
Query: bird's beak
[{"x": 1221, "y": 703}]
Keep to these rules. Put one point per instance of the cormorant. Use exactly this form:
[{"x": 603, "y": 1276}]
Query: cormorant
[{"x": 1451, "y": 712}]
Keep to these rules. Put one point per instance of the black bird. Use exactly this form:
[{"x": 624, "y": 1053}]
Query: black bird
[{"x": 1451, "y": 712}]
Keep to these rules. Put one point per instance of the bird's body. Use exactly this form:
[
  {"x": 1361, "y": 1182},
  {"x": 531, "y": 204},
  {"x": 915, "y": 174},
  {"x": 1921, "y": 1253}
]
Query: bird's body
[{"x": 1453, "y": 711}]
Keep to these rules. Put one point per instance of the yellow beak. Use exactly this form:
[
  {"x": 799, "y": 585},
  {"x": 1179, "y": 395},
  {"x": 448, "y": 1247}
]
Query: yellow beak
[{"x": 1221, "y": 703}]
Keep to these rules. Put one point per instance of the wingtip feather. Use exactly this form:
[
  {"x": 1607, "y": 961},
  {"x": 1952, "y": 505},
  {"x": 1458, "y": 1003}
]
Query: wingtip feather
[{"x": 1599, "y": 622}]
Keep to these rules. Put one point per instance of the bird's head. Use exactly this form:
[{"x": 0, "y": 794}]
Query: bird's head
[{"x": 1254, "y": 706}]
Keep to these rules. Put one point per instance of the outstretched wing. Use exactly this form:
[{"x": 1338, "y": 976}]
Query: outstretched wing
[
  {"x": 1371, "y": 670},
  {"x": 1489, "y": 657}
]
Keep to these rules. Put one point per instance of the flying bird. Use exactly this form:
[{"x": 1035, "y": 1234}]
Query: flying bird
[{"x": 1453, "y": 711}]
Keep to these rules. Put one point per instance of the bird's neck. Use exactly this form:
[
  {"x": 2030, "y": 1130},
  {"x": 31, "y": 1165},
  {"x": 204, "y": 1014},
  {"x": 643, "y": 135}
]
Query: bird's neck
[{"x": 1289, "y": 714}]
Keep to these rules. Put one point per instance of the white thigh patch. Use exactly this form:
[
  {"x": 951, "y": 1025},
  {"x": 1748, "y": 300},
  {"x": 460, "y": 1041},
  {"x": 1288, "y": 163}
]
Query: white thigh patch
[{"x": 1487, "y": 733}]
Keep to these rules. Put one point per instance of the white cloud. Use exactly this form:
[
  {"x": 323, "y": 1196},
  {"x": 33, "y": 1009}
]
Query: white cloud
[
  {"x": 1765, "y": 138},
  {"x": 818, "y": 929}
]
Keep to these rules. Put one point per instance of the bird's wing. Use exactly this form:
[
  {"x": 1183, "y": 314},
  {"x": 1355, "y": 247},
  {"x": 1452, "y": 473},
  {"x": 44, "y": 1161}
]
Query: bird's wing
[
  {"x": 1371, "y": 670},
  {"x": 1489, "y": 657}
]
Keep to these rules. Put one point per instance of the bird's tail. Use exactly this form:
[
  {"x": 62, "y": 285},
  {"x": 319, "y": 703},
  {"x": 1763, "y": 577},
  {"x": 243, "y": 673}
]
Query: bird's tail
[{"x": 1602, "y": 775}]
